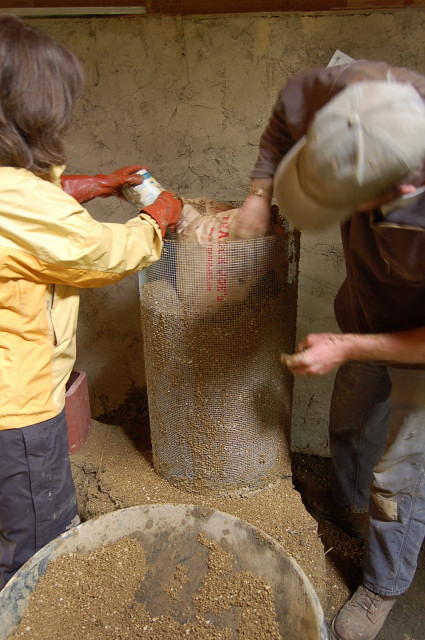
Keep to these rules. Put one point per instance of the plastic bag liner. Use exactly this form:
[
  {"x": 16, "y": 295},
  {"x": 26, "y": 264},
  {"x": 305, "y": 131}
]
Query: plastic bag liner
[{"x": 215, "y": 319}]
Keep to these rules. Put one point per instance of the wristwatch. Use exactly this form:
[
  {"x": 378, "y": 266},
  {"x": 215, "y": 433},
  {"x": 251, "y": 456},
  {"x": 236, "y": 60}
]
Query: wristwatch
[{"x": 259, "y": 191}]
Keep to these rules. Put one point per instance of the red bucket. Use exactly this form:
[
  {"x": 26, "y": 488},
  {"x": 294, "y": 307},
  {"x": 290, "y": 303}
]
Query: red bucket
[{"x": 77, "y": 410}]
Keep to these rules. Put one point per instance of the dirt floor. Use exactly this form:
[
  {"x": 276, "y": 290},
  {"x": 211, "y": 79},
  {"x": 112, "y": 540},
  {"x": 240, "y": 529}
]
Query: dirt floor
[
  {"x": 114, "y": 470},
  {"x": 344, "y": 566},
  {"x": 330, "y": 558},
  {"x": 116, "y": 591}
]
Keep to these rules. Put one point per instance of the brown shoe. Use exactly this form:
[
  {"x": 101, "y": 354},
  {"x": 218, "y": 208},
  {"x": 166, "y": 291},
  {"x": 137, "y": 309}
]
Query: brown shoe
[
  {"x": 362, "y": 617},
  {"x": 320, "y": 504}
]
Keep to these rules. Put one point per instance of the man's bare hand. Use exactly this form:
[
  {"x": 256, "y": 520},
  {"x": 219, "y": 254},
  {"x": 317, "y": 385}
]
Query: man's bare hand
[
  {"x": 253, "y": 219},
  {"x": 318, "y": 354}
]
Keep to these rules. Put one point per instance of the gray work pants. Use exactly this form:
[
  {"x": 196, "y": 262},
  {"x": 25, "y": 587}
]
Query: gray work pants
[{"x": 377, "y": 441}]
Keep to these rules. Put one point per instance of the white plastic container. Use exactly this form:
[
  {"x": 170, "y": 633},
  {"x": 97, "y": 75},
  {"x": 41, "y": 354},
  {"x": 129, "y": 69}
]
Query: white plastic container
[{"x": 145, "y": 193}]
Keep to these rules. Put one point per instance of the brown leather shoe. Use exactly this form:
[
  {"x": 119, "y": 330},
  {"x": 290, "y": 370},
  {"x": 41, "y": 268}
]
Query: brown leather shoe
[
  {"x": 362, "y": 617},
  {"x": 318, "y": 501}
]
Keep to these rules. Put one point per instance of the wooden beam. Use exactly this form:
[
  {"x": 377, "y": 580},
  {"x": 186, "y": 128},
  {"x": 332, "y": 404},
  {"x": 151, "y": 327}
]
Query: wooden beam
[
  {"x": 4, "y": 4},
  {"x": 87, "y": 5},
  {"x": 193, "y": 7},
  {"x": 205, "y": 7},
  {"x": 72, "y": 8},
  {"x": 199, "y": 7},
  {"x": 383, "y": 4}
]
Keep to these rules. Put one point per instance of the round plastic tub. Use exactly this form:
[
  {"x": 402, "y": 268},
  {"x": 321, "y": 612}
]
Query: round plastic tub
[{"x": 170, "y": 537}]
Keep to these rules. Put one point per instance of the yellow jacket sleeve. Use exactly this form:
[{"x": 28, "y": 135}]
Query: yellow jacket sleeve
[{"x": 49, "y": 237}]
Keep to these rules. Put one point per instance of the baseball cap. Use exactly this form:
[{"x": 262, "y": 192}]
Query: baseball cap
[{"x": 360, "y": 144}]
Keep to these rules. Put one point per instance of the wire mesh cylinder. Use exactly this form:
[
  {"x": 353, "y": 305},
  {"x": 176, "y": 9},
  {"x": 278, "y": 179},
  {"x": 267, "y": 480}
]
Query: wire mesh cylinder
[{"x": 215, "y": 320}]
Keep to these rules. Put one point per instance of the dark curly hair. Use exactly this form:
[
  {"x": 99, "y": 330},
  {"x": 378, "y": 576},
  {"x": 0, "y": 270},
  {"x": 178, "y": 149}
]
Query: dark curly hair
[{"x": 40, "y": 82}]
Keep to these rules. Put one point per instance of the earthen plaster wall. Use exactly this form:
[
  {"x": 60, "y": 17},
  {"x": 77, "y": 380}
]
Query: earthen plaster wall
[{"x": 189, "y": 97}]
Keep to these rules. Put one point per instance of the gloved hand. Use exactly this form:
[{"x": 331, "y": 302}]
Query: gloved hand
[
  {"x": 85, "y": 188},
  {"x": 165, "y": 210}
]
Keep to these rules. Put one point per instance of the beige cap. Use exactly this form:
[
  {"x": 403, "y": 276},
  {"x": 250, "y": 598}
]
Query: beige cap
[{"x": 362, "y": 143}]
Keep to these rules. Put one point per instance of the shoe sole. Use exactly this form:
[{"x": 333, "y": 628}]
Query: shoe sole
[{"x": 333, "y": 633}]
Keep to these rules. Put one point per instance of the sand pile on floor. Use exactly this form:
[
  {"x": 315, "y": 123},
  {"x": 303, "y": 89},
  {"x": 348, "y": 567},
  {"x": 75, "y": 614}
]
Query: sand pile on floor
[{"x": 113, "y": 470}]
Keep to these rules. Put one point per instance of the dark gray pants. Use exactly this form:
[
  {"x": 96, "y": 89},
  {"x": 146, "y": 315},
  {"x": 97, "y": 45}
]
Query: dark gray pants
[
  {"x": 377, "y": 440},
  {"x": 37, "y": 494}
]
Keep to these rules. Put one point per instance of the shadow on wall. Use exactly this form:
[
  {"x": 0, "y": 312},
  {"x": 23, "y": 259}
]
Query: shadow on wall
[{"x": 109, "y": 345}]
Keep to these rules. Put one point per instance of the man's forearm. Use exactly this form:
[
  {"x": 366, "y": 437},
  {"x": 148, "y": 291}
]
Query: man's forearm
[
  {"x": 320, "y": 353},
  {"x": 406, "y": 347}
]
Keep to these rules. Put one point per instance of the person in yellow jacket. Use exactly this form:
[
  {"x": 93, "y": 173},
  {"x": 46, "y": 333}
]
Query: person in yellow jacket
[{"x": 50, "y": 247}]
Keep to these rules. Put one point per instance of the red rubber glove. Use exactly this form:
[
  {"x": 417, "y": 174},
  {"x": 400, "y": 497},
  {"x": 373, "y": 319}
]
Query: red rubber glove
[
  {"x": 165, "y": 210},
  {"x": 85, "y": 188}
]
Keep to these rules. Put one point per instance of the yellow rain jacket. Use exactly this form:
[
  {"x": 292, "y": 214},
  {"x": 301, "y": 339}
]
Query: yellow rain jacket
[{"x": 49, "y": 247}]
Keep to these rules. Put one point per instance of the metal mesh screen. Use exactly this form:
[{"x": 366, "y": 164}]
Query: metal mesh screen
[{"x": 214, "y": 321}]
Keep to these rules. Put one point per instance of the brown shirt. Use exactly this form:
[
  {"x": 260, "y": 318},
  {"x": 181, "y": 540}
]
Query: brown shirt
[{"x": 384, "y": 289}]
